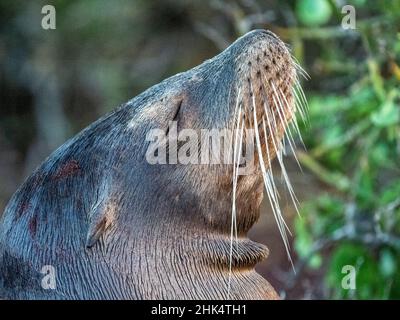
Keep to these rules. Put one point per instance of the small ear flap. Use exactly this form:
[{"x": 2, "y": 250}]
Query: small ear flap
[
  {"x": 100, "y": 219},
  {"x": 95, "y": 230}
]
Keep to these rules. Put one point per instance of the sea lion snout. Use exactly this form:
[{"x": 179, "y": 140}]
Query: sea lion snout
[
  {"x": 265, "y": 77},
  {"x": 266, "y": 70}
]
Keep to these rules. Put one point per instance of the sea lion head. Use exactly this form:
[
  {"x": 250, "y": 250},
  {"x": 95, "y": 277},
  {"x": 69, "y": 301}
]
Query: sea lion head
[{"x": 247, "y": 90}]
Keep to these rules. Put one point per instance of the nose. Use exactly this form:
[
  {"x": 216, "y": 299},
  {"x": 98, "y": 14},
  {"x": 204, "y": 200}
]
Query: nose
[
  {"x": 255, "y": 41},
  {"x": 271, "y": 34},
  {"x": 261, "y": 33}
]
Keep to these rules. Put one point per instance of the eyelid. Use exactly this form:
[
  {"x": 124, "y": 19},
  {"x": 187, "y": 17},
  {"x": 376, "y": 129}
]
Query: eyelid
[
  {"x": 176, "y": 115},
  {"x": 178, "y": 109}
]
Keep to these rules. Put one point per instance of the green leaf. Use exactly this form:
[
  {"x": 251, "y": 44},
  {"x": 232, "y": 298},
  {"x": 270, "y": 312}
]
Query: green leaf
[
  {"x": 387, "y": 115},
  {"x": 313, "y": 12},
  {"x": 387, "y": 263},
  {"x": 315, "y": 262}
]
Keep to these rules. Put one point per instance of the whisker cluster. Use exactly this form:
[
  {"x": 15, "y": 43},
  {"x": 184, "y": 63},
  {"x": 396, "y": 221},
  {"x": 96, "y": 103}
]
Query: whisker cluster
[{"x": 273, "y": 118}]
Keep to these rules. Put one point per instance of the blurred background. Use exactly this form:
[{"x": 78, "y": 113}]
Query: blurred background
[{"x": 53, "y": 83}]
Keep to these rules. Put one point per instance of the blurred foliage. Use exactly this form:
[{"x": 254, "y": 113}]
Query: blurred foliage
[
  {"x": 53, "y": 83},
  {"x": 353, "y": 142}
]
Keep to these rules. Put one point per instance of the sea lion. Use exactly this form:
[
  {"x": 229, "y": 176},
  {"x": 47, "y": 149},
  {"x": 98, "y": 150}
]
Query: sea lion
[{"x": 107, "y": 224}]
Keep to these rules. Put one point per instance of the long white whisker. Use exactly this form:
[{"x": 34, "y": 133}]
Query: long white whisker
[
  {"x": 287, "y": 130},
  {"x": 269, "y": 155},
  {"x": 267, "y": 184},
  {"x": 274, "y": 188},
  {"x": 284, "y": 173},
  {"x": 237, "y": 103},
  {"x": 279, "y": 107},
  {"x": 300, "y": 68},
  {"x": 303, "y": 96},
  {"x": 296, "y": 126},
  {"x": 287, "y": 181},
  {"x": 281, "y": 113},
  {"x": 299, "y": 106},
  {"x": 293, "y": 122},
  {"x": 235, "y": 177}
]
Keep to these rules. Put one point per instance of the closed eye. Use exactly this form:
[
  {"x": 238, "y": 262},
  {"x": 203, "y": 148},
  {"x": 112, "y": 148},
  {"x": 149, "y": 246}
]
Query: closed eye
[{"x": 176, "y": 115}]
